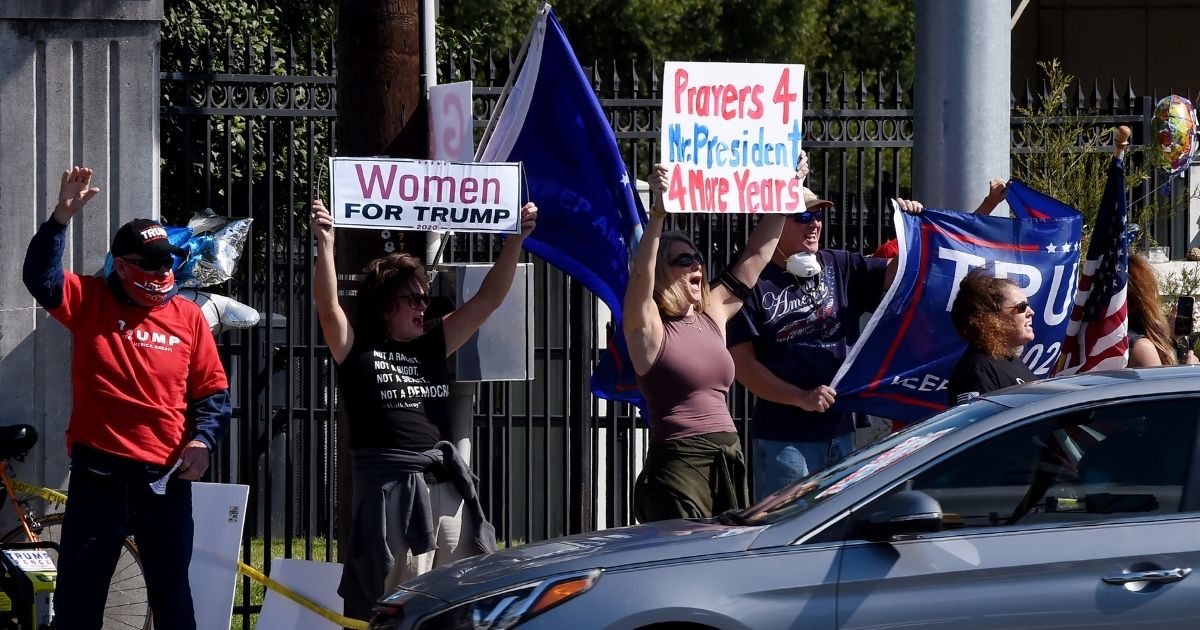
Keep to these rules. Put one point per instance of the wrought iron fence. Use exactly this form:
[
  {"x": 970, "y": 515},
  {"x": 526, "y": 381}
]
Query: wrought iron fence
[
  {"x": 246, "y": 135},
  {"x": 246, "y": 131}
]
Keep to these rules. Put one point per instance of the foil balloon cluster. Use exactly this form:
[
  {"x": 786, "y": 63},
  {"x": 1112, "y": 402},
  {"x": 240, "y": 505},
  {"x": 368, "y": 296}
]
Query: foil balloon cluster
[
  {"x": 1174, "y": 134},
  {"x": 214, "y": 245}
]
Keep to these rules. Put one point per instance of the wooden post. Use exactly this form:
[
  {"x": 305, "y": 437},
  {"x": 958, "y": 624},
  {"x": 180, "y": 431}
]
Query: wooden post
[{"x": 381, "y": 111}]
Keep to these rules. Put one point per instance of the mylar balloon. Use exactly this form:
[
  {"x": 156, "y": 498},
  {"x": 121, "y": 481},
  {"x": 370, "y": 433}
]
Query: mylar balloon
[{"x": 1174, "y": 133}]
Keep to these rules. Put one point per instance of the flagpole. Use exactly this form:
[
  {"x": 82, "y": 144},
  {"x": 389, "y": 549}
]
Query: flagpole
[{"x": 520, "y": 61}]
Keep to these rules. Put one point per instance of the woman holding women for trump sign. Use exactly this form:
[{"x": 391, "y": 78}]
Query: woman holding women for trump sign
[
  {"x": 415, "y": 501},
  {"x": 994, "y": 317},
  {"x": 675, "y": 325}
]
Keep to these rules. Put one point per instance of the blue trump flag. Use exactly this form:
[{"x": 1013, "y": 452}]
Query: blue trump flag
[
  {"x": 587, "y": 209},
  {"x": 900, "y": 366},
  {"x": 1027, "y": 203}
]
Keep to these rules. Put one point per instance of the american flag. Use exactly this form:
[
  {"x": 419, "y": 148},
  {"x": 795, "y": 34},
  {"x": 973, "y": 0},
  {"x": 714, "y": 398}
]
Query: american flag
[{"x": 1097, "y": 336}]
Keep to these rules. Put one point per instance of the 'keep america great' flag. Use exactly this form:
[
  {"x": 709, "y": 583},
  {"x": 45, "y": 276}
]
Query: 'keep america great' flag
[{"x": 900, "y": 366}]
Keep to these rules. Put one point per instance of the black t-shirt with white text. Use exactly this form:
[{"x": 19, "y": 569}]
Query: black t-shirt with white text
[
  {"x": 978, "y": 373},
  {"x": 397, "y": 394}
]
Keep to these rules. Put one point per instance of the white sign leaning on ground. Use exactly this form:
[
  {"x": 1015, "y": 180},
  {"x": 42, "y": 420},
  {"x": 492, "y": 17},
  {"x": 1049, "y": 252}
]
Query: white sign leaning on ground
[
  {"x": 219, "y": 514},
  {"x": 316, "y": 581},
  {"x": 395, "y": 194},
  {"x": 731, "y": 136}
]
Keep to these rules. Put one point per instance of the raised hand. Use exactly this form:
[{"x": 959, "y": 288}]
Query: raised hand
[
  {"x": 658, "y": 187},
  {"x": 528, "y": 219},
  {"x": 75, "y": 190},
  {"x": 996, "y": 191},
  {"x": 909, "y": 206},
  {"x": 802, "y": 167},
  {"x": 1121, "y": 140},
  {"x": 322, "y": 224}
]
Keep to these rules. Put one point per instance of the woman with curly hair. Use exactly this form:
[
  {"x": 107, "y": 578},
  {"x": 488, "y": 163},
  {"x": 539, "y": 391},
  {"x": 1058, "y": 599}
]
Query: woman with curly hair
[{"x": 994, "y": 317}]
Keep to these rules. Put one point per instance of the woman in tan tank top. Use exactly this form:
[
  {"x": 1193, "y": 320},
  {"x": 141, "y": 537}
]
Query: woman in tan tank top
[{"x": 674, "y": 323}]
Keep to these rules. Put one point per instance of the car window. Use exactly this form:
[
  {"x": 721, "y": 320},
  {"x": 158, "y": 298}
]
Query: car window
[
  {"x": 1107, "y": 462},
  {"x": 828, "y": 482}
]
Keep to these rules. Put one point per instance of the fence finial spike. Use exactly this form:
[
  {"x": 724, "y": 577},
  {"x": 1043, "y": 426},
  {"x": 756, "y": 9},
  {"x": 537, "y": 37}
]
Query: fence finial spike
[{"x": 653, "y": 78}]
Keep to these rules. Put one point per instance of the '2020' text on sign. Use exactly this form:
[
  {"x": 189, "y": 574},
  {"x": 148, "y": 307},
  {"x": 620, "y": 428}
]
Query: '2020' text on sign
[
  {"x": 395, "y": 194},
  {"x": 731, "y": 136}
]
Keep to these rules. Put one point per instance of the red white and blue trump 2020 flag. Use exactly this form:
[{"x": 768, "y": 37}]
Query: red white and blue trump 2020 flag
[{"x": 900, "y": 366}]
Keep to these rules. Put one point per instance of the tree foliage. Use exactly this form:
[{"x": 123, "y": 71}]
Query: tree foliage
[
  {"x": 188, "y": 24},
  {"x": 822, "y": 34},
  {"x": 1066, "y": 155},
  {"x": 224, "y": 160}
]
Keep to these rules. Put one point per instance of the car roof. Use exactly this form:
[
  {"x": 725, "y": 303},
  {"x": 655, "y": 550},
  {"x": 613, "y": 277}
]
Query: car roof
[{"x": 1182, "y": 379}]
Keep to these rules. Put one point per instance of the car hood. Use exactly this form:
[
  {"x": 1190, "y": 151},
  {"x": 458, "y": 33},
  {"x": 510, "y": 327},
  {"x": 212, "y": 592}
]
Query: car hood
[{"x": 607, "y": 549}]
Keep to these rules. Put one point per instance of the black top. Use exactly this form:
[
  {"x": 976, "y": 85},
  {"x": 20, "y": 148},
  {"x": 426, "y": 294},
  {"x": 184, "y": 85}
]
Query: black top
[
  {"x": 397, "y": 394},
  {"x": 978, "y": 373}
]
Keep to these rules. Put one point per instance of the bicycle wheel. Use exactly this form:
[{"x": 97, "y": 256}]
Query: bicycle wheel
[{"x": 128, "y": 605}]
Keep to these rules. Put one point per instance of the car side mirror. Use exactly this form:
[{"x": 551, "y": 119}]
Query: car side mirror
[{"x": 905, "y": 513}]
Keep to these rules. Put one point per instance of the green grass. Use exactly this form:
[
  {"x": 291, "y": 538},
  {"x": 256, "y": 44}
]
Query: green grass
[{"x": 258, "y": 591}]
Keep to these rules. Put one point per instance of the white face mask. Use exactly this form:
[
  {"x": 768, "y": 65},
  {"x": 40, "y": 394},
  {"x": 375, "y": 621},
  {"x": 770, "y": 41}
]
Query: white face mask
[{"x": 803, "y": 265}]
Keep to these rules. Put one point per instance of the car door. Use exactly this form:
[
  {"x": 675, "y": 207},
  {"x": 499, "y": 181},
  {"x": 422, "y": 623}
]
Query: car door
[{"x": 1078, "y": 519}]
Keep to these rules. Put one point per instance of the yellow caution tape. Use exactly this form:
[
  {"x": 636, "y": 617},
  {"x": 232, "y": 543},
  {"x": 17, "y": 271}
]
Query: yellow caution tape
[
  {"x": 257, "y": 576},
  {"x": 53, "y": 496}
]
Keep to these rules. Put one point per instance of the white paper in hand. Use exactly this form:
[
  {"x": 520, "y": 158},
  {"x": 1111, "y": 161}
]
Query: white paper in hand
[{"x": 159, "y": 486}]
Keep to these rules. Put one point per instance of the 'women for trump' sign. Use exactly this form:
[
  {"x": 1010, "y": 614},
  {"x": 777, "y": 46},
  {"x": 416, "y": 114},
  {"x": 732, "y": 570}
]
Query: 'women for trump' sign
[
  {"x": 395, "y": 194},
  {"x": 731, "y": 136}
]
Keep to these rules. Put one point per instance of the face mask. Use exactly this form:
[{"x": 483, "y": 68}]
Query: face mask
[
  {"x": 803, "y": 265},
  {"x": 147, "y": 287}
]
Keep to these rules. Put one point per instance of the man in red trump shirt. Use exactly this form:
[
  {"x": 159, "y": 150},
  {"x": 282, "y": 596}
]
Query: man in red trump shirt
[{"x": 150, "y": 401}]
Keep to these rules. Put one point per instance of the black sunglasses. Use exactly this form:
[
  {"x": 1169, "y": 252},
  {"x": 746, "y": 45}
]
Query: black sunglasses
[
  {"x": 809, "y": 217},
  {"x": 687, "y": 260},
  {"x": 415, "y": 300},
  {"x": 1019, "y": 307},
  {"x": 152, "y": 264}
]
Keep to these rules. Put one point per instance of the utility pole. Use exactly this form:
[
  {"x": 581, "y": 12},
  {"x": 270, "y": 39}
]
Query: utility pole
[
  {"x": 381, "y": 105},
  {"x": 962, "y": 101}
]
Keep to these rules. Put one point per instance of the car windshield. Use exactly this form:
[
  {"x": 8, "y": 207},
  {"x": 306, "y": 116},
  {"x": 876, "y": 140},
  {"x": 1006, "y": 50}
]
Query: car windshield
[{"x": 828, "y": 482}]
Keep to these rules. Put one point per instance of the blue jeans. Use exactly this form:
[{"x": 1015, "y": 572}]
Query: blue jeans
[
  {"x": 101, "y": 511},
  {"x": 778, "y": 463}
]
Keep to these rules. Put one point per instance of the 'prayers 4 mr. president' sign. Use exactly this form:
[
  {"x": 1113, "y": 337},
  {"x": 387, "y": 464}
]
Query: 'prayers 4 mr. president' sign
[{"x": 731, "y": 137}]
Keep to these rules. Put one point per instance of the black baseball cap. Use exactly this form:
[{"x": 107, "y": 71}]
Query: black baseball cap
[{"x": 145, "y": 238}]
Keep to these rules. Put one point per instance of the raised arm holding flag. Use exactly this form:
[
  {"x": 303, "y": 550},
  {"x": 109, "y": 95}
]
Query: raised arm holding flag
[
  {"x": 1098, "y": 334},
  {"x": 588, "y": 212}
]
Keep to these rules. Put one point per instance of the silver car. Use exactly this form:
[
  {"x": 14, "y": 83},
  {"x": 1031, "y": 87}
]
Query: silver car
[{"x": 1071, "y": 502}]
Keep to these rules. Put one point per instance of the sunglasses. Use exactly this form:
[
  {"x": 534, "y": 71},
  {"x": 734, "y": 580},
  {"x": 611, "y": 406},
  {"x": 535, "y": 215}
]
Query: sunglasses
[
  {"x": 1019, "y": 307},
  {"x": 687, "y": 260},
  {"x": 416, "y": 301},
  {"x": 151, "y": 264},
  {"x": 809, "y": 217}
]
